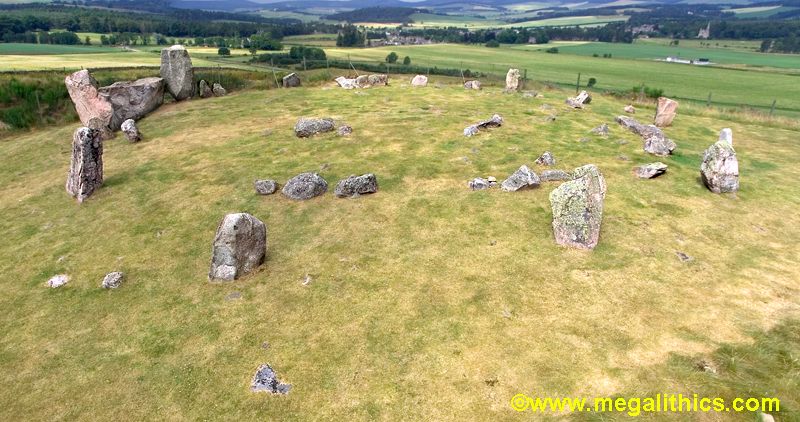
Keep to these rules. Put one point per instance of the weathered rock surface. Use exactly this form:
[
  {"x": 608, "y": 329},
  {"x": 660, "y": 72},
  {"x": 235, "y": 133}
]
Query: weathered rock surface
[
  {"x": 578, "y": 208},
  {"x": 266, "y": 380},
  {"x": 512, "y": 80},
  {"x": 218, "y": 90},
  {"x": 345, "y": 82},
  {"x": 344, "y": 130},
  {"x": 356, "y": 185},
  {"x": 58, "y": 281},
  {"x": 177, "y": 71},
  {"x": 554, "y": 176},
  {"x": 720, "y": 168},
  {"x": 665, "y": 111},
  {"x": 131, "y": 131},
  {"x": 265, "y": 186},
  {"x": 112, "y": 280},
  {"x": 305, "y": 186},
  {"x": 239, "y": 247},
  {"x": 291, "y": 80},
  {"x": 580, "y": 100},
  {"x": 495, "y": 121},
  {"x": 479, "y": 183},
  {"x": 472, "y": 85},
  {"x": 89, "y": 101},
  {"x": 204, "y": 89},
  {"x": 629, "y": 109},
  {"x": 601, "y": 130},
  {"x": 101, "y": 127},
  {"x": 726, "y": 135},
  {"x": 86, "y": 167},
  {"x": 524, "y": 177},
  {"x": 546, "y": 159},
  {"x": 655, "y": 142},
  {"x": 378, "y": 79},
  {"x": 649, "y": 171},
  {"x": 133, "y": 99},
  {"x": 309, "y": 126},
  {"x": 363, "y": 81},
  {"x": 419, "y": 80}
]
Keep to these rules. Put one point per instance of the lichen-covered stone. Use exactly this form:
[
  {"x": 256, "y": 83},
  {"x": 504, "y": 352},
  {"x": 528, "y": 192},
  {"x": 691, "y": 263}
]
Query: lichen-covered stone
[
  {"x": 554, "y": 176},
  {"x": 89, "y": 102},
  {"x": 344, "y": 130},
  {"x": 356, "y": 185},
  {"x": 57, "y": 281},
  {"x": 218, "y": 90},
  {"x": 578, "y": 208},
  {"x": 307, "y": 126},
  {"x": 86, "y": 166},
  {"x": 523, "y": 178},
  {"x": 204, "y": 89},
  {"x": 649, "y": 171},
  {"x": 177, "y": 71},
  {"x": 265, "y": 187},
  {"x": 720, "y": 168},
  {"x": 479, "y": 183},
  {"x": 112, "y": 280},
  {"x": 131, "y": 131},
  {"x": 133, "y": 99},
  {"x": 546, "y": 159},
  {"x": 239, "y": 247},
  {"x": 291, "y": 80},
  {"x": 266, "y": 380},
  {"x": 512, "y": 80},
  {"x": 655, "y": 142},
  {"x": 629, "y": 109},
  {"x": 305, "y": 186}
]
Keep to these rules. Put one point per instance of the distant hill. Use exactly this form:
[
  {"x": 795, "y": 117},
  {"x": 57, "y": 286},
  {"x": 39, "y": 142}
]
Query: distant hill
[{"x": 377, "y": 14}]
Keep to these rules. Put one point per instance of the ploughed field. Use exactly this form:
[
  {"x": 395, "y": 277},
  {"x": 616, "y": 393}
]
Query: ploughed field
[{"x": 426, "y": 300}]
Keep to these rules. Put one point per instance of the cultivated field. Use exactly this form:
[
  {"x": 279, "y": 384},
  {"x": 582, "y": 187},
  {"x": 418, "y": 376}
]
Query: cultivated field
[{"x": 428, "y": 301}]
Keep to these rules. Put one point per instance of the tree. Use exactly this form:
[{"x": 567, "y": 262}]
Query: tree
[
  {"x": 407, "y": 61},
  {"x": 493, "y": 44},
  {"x": 350, "y": 36},
  {"x": 391, "y": 58},
  {"x": 88, "y": 41},
  {"x": 224, "y": 51},
  {"x": 592, "y": 82}
]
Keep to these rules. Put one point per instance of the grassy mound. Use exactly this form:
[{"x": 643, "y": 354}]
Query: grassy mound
[{"x": 428, "y": 301}]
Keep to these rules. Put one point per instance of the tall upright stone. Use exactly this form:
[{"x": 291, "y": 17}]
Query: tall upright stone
[
  {"x": 512, "y": 80},
  {"x": 665, "y": 111},
  {"x": 86, "y": 167},
  {"x": 177, "y": 71},
  {"x": 240, "y": 246},
  {"x": 578, "y": 208},
  {"x": 720, "y": 168}
]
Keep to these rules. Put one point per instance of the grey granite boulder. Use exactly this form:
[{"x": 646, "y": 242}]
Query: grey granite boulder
[
  {"x": 204, "y": 89},
  {"x": 649, "y": 171},
  {"x": 356, "y": 185},
  {"x": 133, "y": 99},
  {"x": 177, "y": 71},
  {"x": 291, "y": 80},
  {"x": 112, "y": 280},
  {"x": 495, "y": 121},
  {"x": 131, "y": 131},
  {"x": 479, "y": 183},
  {"x": 720, "y": 168},
  {"x": 523, "y": 178},
  {"x": 305, "y": 186},
  {"x": 265, "y": 187},
  {"x": 546, "y": 159},
  {"x": 307, "y": 126},
  {"x": 266, "y": 380},
  {"x": 578, "y": 208},
  {"x": 239, "y": 247},
  {"x": 655, "y": 142},
  {"x": 86, "y": 166},
  {"x": 554, "y": 176},
  {"x": 57, "y": 281}
]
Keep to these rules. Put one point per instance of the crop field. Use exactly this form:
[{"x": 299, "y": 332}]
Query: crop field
[
  {"x": 319, "y": 40},
  {"x": 51, "y": 49},
  {"x": 728, "y": 86}
]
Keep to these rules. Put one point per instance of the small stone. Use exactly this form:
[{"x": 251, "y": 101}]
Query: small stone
[
  {"x": 584, "y": 140},
  {"x": 495, "y": 121},
  {"x": 265, "y": 187},
  {"x": 356, "y": 185},
  {"x": 58, "y": 281},
  {"x": 546, "y": 159},
  {"x": 131, "y": 131},
  {"x": 491, "y": 382},
  {"x": 344, "y": 130},
  {"x": 530, "y": 94},
  {"x": 683, "y": 257},
  {"x": 471, "y": 130},
  {"x": 601, "y": 130},
  {"x": 623, "y": 157},
  {"x": 655, "y": 142},
  {"x": 706, "y": 366},
  {"x": 204, "y": 89},
  {"x": 112, "y": 280},
  {"x": 291, "y": 80},
  {"x": 307, "y": 280},
  {"x": 218, "y": 90},
  {"x": 233, "y": 296},
  {"x": 266, "y": 379},
  {"x": 550, "y": 118},
  {"x": 524, "y": 177},
  {"x": 472, "y": 85},
  {"x": 265, "y": 345},
  {"x": 479, "y": 184},
  {"x": 506, "y": 313},
  {"x": 629, "y": 109},
  {"x": 649, "y": 171},
  {"x": 305, "y": 186},
  {"x": 766, "y": 417},
  {"x": 306, "y": 127},
  {"x": 492, "y": 243}
]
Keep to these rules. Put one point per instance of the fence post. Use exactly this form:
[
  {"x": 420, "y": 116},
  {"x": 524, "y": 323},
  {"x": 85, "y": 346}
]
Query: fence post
[
  {"x": 304, "y": 63},
  {"x": 772, "y": 109},
  {"x": 272, "y": 66},
  {"x": 578, "y": 84},
  {"x": 708, "y": 102},
  {"x": 524, "y": 77}
]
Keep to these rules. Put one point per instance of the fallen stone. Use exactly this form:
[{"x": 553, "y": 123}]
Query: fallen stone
[
  {"x": 530, "y": 94},
  {"x": 665, "y": 112},
  {"x": 649, "y": 171},
  {"x": 89, "y": 102},
  {"x": 291, "y": 80},
  {"x": 204, "y": 89},
  {"x": 578, "y": 208},
  {"x": 133, "y": 99},
  {"x": 580, "y": 100},
  {"x": 683, "y": 257},
  {"x": 601, "y": 130},
  {"x": 720, "y": 168},
  {"x": 356, "y": 185},
  {"x": 131, "y": 131},
  {"x": 495, "y": 121},
  {"x": 86, "y": 166},
  {"x": 266, "y": 380},
  {"x": 57, "y": 281},
  {"x": 305, "y": 186},
  {"x": 177, "y": 71},
  {"x": 265, "y": 187},
  {"x": 524, "y": 177},
  {"x": 546, "y": 159},
  {"x": 239, "y": 247},
  {"x": 479, "y": 184},
  {"x": 112, "y": 280},
  {"x": 218, "y": 90},
  {"x": 476, "y": 85},
  {"x": 512, "y": 80},
  {"x": 554, "y": 176},
  {"x": 419, "y": 80},
  {"x": 306, "y": 126},
  {"x": 233, "y": 296},
  {"x": 655, "y": 142},
  {"x": 471, "y": 130},
  {"x": 344, "y": 130},
  {"x": 629, "y": 109},
  {"x": 378, "y": 79},
  {"x": 726, "y": 135},
  {"x": 345, "y": 82}
]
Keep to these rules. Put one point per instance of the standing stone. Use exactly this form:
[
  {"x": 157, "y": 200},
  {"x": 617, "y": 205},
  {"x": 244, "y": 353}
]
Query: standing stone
[
  {"x": 419, "y": 80},
  {"x": 720, "y": 168},
  {"x": 239, "y": 247},
  {"x": 86, "y": 167},
  {"x": 305, "y": 186},
  {"x": 112, "y": 280},
  {"x": 356, "y": 185},
  {"x": 309, "y": 126},
  {"x": 665, "y": 111},
  {"x": 204, "y": 90},
  {"x": 177, "y": 71},
  {"x": 131, "y": 131},
  {"x": 546, "y": 159},
  {"x": 265, "y": 187},
  {"x": 476, "y": 85},
  {"x": 578, "y": 208},
  {"x": 726, "y": 135},
  {"x": 512, "y": 80},
  {"x": 218, "y": 90},
  {"x": 524, "y": 177},
  {"x": 291, "y": 80},
  {"x": 649, "y": 171},
  {"x": 133, "y": 99},
  {"x": 89, "y": 101}
]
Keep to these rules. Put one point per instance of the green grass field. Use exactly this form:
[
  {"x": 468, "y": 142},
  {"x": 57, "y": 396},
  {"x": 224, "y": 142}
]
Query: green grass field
[
  {"x": 428, "y": 301},
  {"x": 728, "y": 86},
  {"x": 18, "y": 49}
]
